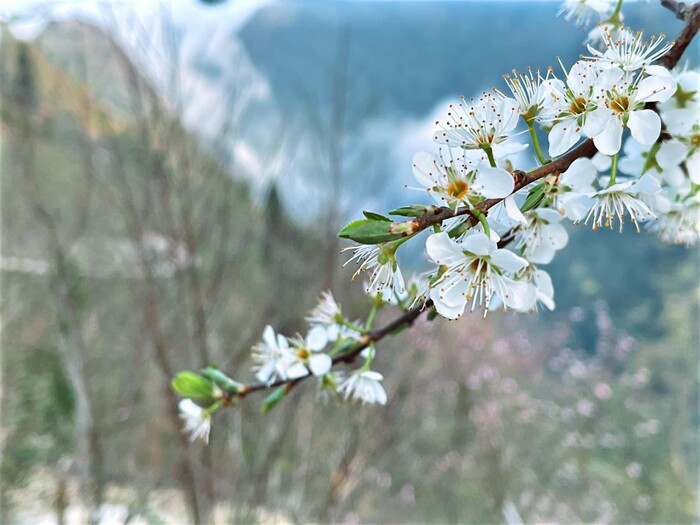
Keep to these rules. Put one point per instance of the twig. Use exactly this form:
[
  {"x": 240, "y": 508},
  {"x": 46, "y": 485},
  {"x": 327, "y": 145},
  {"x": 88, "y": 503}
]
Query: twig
[{"x": 680, "y": 9}]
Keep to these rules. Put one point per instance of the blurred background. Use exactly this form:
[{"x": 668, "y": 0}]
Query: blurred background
[{"x": 172, "y": 179}]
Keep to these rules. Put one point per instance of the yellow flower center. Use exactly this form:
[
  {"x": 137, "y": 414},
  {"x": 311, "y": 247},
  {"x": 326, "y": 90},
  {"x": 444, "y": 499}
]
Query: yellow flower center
[
  {"x": 578, "y": 106},
  {"x": 620, "y": 104},
  {"x": 457, "y": 189}
]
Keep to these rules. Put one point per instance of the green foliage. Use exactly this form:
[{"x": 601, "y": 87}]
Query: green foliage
[
  {"x": 189, "y": 384},
  {"x": 370, "y": 231},
  {"x": 415, "y": 210},
  {"x": 534, "y": 197},
  {"x": 273, "y": 398}
]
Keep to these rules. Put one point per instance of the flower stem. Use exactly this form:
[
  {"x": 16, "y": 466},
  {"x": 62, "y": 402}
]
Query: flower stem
[
  {"x": 370, "y": 317},
  {"x": 616, "y": 14},
  {"x": 613, "y": 171},
  {"x": 536, "y": 143},
  {"x": 369, "y": 358},
  {"x": 482, "y": 219},
  {"x": 489, "y": 153},
  {"x": 352, "y": 326}
]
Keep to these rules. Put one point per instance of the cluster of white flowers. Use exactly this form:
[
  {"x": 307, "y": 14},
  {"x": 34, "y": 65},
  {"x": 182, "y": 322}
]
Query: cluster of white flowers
[
  {"x": 280, "y": 358},
  {"x": 600, "y": 96},
  {"x": 491, "y": 233}
]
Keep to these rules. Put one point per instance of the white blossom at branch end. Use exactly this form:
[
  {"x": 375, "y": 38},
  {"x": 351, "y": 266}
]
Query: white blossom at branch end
[
  {"x": 196, "y": 419},
  {"x": 365, "y": 387}
]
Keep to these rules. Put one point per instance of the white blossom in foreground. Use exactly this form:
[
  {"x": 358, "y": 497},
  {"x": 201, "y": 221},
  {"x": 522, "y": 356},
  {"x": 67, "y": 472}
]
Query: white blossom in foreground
[
  {"x": 272, "y": 356},
  {"x": 535, "y": 95},
  {"x": 364, "y": 386},
  {"x": 384, "y": 270},
  {"x": 583, "y": 11},
  {"x": 486, "y": 124},
  {"x": 621, "y": 200},
  {"x": 625, "y": 102},
  {"x": 581, "y": 109},
  {"x": 455, "y": 183},
  {"x": 196, "y": 419},
  {"x": 474, "y": 271},
  {"x": 307, "y": 354},
  {"x": 628, "y": 51}
]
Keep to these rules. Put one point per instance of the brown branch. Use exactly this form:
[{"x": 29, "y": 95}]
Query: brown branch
[
  {"x": 522, "y": 179},
  {"x": 371, "y": 337},
  {"x": 680, "y": 9},
  {"x": 692, "y": 18}
]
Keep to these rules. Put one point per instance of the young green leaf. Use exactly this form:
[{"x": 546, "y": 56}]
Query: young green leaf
[
  {"x": 415, "y": 210},
  {"x": 375, "y": 216},
  {"x": 534, "y": 197},
  {"x": 221, "y": 380},
  {"x": 194, "y": 386},
  {"x": 369, "y": 231}
]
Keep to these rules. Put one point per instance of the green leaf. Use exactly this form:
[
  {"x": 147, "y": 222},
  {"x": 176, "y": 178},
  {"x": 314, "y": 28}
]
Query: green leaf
[
  {"x": 273, "y": 398},
  {"x": 221, "y": 380},
  {"x": 194, "y": 386},
  {"x": 534, "y": 197},
  {"x": 369, "y": 231},
  {"x": 376, "y": 216},
  {"x": 415, "y": 210}
]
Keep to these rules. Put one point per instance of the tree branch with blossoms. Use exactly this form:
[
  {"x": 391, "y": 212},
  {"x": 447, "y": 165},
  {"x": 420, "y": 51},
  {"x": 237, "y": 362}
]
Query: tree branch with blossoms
[{"x": 493, "y": 226}]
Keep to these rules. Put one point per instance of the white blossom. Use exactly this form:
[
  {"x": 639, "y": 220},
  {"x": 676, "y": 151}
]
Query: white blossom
[
  {"x": 580, "y": 107},
  {"x": 196, "y": 419},
  {"x": 625, "y": 101},
  {"x": 326, "y": 312},
  {"x": 474, "y": 271},
  {"x": 680, "y": 224},
  {"x": 364, "y": 386},
  {"x": 542, "y": 236},
  {"x": 535, "y": 94},
  {"x": 628, "y": 51},
  {"x": 272, "y": 357},
  {"x": 307, "y": 354},
  {"x": 459, "y": 182},
  {"x": 621, "y": 200},
  {"x": 384, "y": 270},
  {"x": 583, "y": 11},
  {"x": 484, "y": 124}
]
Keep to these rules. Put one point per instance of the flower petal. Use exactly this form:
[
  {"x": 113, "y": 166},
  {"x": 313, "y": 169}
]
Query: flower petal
[
  {"x": 317, "y": 338},
  {"x": 478, "y": 244},
  {"x": 513, "y": 211},
  {"x": 563, "y": 137},
  {"x": 445, "y": 310},
  {"x": 645, "y": 126},
  {"x": 493, "y": 183},
  {"x": 609, "y": 140},
  {"x": 508, "y": 260},
  {"x": 655, "y": 88},
  {"x": 424, "y": 169},
  {"x": 443, "y": 250},
  {"x": 580, "y": 175},
  {"x": 320, "y": 364}
]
